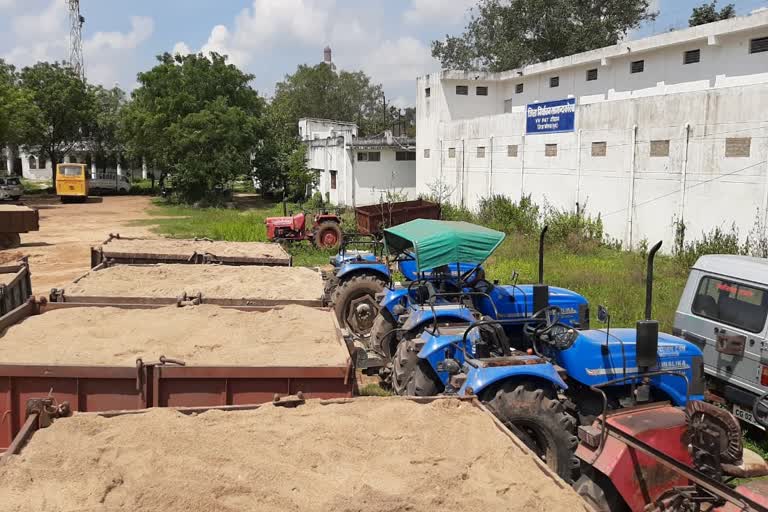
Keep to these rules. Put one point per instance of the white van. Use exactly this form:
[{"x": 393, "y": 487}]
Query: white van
[{"x": 723, "y": 310}]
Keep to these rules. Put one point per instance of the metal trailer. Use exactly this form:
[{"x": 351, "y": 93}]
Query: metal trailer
[
  {"x": 183, "y": 298},
  {"x": 15, "y": 285},
  {"x": 161, "y": 383},
  {"x": 374, "y": 218},
  {"x": 106, "y": 253},
  {"x": 15, "y": 220}
]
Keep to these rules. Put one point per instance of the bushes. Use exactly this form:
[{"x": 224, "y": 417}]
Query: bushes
[{"x": 501, "y": 213}]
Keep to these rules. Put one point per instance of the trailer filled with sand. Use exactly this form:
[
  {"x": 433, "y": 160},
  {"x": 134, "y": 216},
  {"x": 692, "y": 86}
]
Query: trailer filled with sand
[
  {"x": 366, "y": 455},
  {"x": 290, "y": 335},
  {"x": 212, "y": 281}
]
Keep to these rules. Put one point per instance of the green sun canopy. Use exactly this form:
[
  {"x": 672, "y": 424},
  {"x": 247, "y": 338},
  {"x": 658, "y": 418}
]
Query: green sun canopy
[{"x": 437, "y": 243}]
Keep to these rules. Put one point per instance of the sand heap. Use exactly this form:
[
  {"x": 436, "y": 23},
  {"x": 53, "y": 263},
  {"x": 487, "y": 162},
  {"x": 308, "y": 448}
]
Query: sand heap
[
  {"x": 14, "y": 208},
  {"x": 369, "y": 455},
  {"x": 169, "y": 246},
  {"x": 199, "y": 335},
  {"x": 213, "y": 281}
]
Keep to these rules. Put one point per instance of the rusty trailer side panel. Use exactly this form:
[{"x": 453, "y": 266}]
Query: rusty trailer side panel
[
  {"x": 108, "y": 388},
  {"x": 17, "y": 288},
  {"x": 374, "y": 218}
]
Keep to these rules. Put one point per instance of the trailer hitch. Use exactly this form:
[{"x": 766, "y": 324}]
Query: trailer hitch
[
  {"x": 189, "y": 300},
  {"x": 141, "y": 366},
  {"x": 289, "y": 402},
  {"x": 47, "y": 409}
]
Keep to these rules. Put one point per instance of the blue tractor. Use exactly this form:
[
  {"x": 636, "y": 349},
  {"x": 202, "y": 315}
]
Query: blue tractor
[{"x": 557, "y": 378}]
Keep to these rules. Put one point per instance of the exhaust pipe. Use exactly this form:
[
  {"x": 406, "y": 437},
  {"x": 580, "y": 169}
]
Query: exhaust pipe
[
  {"x": 649, "y": 281},
  {"x": 541, "y": 254}
]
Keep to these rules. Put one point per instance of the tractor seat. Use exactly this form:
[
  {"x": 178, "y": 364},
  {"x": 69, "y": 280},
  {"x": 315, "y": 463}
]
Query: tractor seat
[{"x": 752, "y": 466}]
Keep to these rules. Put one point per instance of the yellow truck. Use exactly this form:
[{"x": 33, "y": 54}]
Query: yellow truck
[{"x": 71, "y": 183}]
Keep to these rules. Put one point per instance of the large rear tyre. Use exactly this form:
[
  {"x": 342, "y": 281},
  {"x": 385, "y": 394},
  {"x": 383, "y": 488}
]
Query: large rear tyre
[
  {"x": 542, "y": 423},
  {"x": 355, "y": 305},
  {"x": 412, "y": 376},
  {"x": 9, "y": 240},
  {"x": 328, "y": 235},
  {"x": 383, "y": 340}
]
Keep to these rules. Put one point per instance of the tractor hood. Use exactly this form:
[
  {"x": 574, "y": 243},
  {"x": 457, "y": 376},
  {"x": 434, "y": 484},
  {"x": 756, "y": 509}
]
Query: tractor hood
[{"x": 438, "y": 243}]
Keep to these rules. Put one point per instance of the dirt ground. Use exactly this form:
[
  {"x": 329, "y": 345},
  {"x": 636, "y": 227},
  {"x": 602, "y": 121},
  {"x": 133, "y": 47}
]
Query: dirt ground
[
  {"x": 60, "y": 251},
  {"x": 369, "y": 455}
]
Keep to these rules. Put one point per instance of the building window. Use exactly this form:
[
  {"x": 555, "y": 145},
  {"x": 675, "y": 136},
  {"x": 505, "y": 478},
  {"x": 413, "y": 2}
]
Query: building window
[
  {"x": 659, "y": 148},
  {"x": 591, "y": 75},
  {"x": 374, "y": 156},
  {"x": 462, "y": 90},
  {"x": 637, "y": 66},
  {"x": 512, "y": 150},
  {"x": 554, "y": 81},
  {"x": 599, "y": 148},
  {"x": 519, "y": 89},
  {"x": 427, "y": 92},
  {"x": 451, "y": 152},
  {"x": 481, "y": 91},
  {"x": 32, "y": 162},
  {"x": 402, "y": 156},
  {"x": 362, "y": 156},
  {"x": 692, "y": 57},
  {"x": 737, "y": 147},
  {"x": 758, "y": 45},
  {"x": 550, "y": 150},
  {"x": 480, "y": 151},
  {"x": 426, "y": 153},
  {"x": 333, "y": 180},
  {"x": 507, "y": 106}
]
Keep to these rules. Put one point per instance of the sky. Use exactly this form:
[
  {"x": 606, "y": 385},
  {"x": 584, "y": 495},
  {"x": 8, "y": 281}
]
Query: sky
[{"x": 388, "y": 39}]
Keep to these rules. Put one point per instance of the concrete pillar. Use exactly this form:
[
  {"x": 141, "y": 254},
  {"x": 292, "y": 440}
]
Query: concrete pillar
[
  {"x": 9, "y": 159},
  {"x": 144, "y": 173},
  {"x": 628, "y": 237},
  {"x": 93, "y": 168},
  {"x": 119, "y": 169}
]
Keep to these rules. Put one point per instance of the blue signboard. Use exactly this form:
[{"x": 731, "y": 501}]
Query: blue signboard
[{"x": 551, "y": 116}]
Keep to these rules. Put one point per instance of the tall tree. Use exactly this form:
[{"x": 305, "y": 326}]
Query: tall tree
[
  {"x": 197, "y": 118},
  {"x": 58, "y": 109},
  {"x": 708, "y": 13},
  {"x": 14, "y": 101},
  {"x": 104, "y": 140},
  {"x": 507, "y": 34}
]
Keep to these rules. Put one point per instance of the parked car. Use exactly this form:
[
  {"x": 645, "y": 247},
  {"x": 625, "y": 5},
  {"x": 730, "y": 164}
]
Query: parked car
[
  {"x": 10, "y": 188},
  {"x": 723, "y": 310}
]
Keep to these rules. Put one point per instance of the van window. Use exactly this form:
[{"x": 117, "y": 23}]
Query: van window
[
  {"x": 70, "y": 170},
  {"x": 731, "y": 303}
]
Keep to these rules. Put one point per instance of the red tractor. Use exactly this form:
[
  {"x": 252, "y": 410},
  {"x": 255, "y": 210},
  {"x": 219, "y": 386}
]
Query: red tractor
[{"x": 325, "y": 231}]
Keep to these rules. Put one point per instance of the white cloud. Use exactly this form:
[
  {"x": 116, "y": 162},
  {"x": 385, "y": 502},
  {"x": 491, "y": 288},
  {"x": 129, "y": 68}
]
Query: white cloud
[
  {"x": 400, "y": 60},
  {"x": 141, "y": 29},
  {"x": 181, "y": 48},
  {"x": 6, "y": 4},
  {"x": 429, "y": 12}
]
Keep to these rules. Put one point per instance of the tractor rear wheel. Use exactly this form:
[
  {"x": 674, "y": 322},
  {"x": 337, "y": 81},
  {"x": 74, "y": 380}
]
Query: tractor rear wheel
[
  {"x": 382, "y": 340},
  {"x": 412, "y": 376},
  {"x": 542, "y": 423},
  {"x": 355, "y": 305},
  {"x": 9, "y": 240},
  {"x": 328, "y": 235}
]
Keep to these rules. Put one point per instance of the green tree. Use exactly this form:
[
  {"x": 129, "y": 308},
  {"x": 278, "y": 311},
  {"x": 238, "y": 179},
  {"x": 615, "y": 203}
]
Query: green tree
[
  {"x": 104, "y": 139},
  {"x": 507, "y": 34},
  {"x": 197, "y": 118},
  {"x": 708, "y": 13},
  {"x": 14, "y": 101},
  {"x": 56, "y": 109}
]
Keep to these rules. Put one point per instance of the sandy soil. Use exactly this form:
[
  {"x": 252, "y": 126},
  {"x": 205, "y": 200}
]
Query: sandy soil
[
  {"x": 213, "y": 281},
  {"x": 189, "y": 247},
  {"x": 60, "y": 251},
  {"x": 345, "y": 457},
  {"x": 200, "y": 335},
  {"x": 13, "y": 208}
]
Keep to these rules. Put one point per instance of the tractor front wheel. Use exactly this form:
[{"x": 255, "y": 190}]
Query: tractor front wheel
[
  {"x": 355, "y": 305},
  {"x": 542, "y": 424},
  {"x": 328, "y": 235},
  {"x": 412, "y": 376}
]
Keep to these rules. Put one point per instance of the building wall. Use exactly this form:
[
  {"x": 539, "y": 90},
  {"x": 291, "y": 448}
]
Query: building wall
[{"x": 374, "y": 180}]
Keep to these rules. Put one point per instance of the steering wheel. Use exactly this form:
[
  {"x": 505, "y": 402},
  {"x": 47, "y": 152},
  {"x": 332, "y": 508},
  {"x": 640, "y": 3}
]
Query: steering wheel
[
  {"x": 547, "y": 317},
  {"x": 757, "y": 407}
]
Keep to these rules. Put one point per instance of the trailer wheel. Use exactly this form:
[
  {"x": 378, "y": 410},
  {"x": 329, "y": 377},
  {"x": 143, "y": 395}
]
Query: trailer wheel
[
  {"x": 328, "y": 235},
  {"x": 354, "y": 302},
  {"x": 541, "y": 422},
  {"x": 9, "y": 240},
  {"x": 412, "y": 376}
]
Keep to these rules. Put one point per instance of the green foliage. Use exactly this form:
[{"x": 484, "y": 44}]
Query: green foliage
[
  {"x": 104, "y": 140},
  {"x": 708, "y": 13},
  {"x": 501, "y": 213},
  {"x": 14, "y": 105},
  {"x": 507, "y": 34},
  {"x": 716, "y": 241},
  {"x": 449, "y": 211},
  {"x": 196, "y": 118},
  {"x": 577, "y": 231}
]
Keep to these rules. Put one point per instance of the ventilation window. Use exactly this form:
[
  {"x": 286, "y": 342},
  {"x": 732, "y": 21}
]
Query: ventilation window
[
  {"x": 462, "y": 90},
  {"x": 599, "y": 148},
  {"x": 512, "y": 151},
  {"x": 550, "y": 150},
  {"x": 374, "y": 156},
  {"x": 426, "y": 153},
  {"x": 333, "y": 180},
  {"x": 758, "y": 45},
  {"x": 427, "y": 92},
  {"x": 692, "y": 57},
  {"x": 519, "y": 89},
  {"x": 402, "y": 156},
  {"x": 480, "y": 151},
  {"x": 554, "y": 81},
  {"x": 451, "y": 152},
  {"x": 481, "y": 91},
  {"x": 637, "y": 66},
  {"x": 362, "y": 157},
  {"x": 736, "y": 147},
  {"x": 591, "y": 75},
  {"x": 659, "y": 148}
]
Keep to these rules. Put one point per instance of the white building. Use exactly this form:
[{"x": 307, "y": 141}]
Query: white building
[
  {"x": 356, "y": 171},
  {"x": 666, "y": 128}
]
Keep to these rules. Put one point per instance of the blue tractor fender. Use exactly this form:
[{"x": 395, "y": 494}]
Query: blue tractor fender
[
  {"x": 479, "y": 379},
  {"x": 424, "y": 316},
  {"x": 393, "y": 297},
  {"x": 348, "y": 270}
]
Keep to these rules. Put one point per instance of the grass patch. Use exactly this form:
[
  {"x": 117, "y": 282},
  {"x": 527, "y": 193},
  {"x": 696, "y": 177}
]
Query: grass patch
[{"x": 374, "y": 390}]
